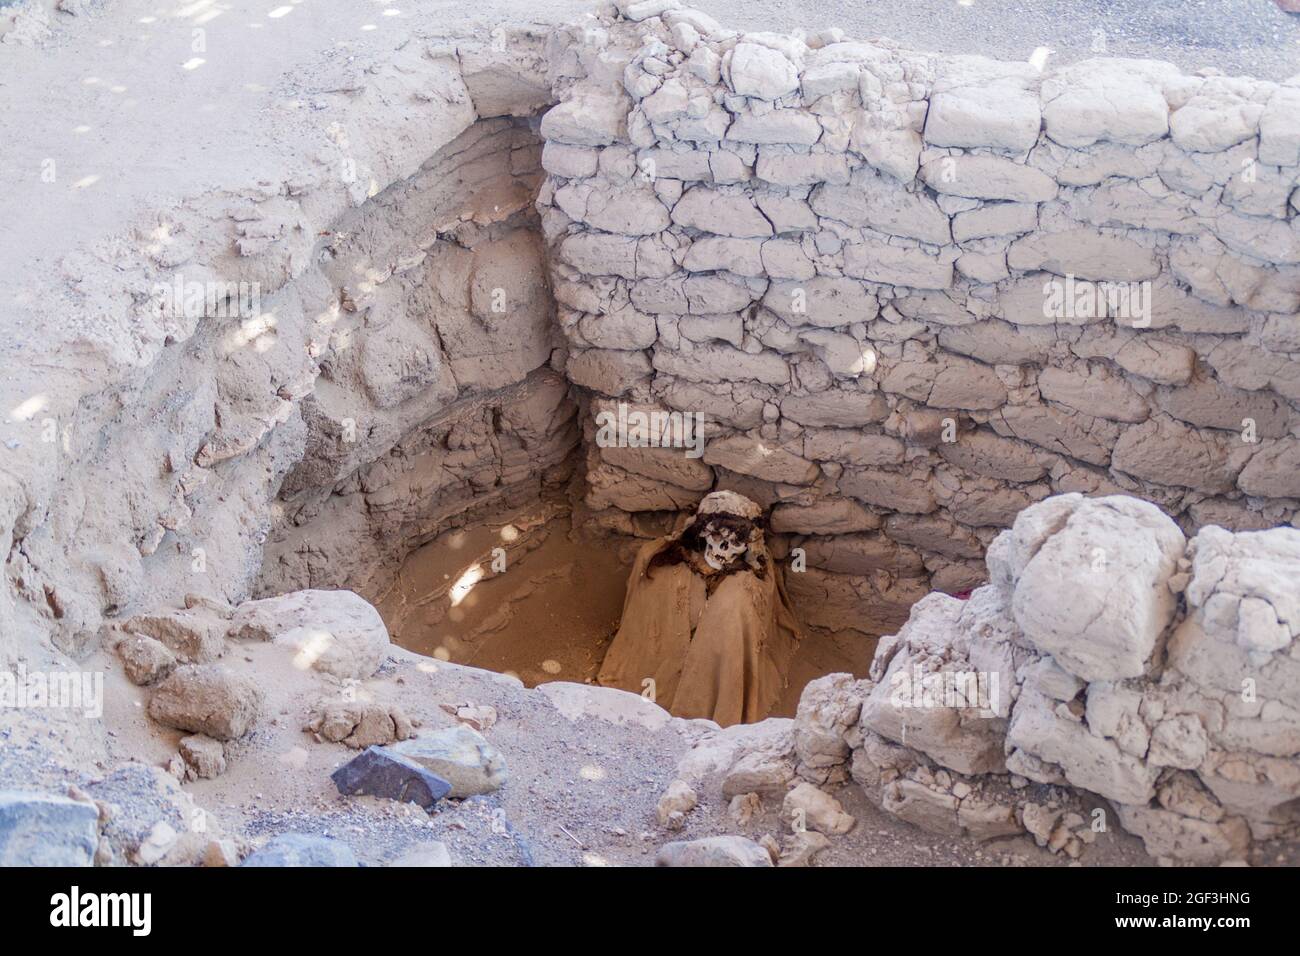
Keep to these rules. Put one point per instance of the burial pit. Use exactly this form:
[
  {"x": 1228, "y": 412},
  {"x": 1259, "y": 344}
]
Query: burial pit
[
  {"x": 825, "y": 279},
  {"x": 1005, "y": 358}
]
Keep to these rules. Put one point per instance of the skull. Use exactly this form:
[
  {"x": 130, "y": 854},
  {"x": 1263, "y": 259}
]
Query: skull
[
  {"x": 727, "y": 527},
  {"x": 722, "y": 544}
]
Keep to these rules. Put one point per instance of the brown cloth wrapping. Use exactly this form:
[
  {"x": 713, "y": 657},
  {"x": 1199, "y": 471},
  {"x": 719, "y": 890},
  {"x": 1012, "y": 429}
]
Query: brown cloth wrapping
[{"x": 722, "y": 656}]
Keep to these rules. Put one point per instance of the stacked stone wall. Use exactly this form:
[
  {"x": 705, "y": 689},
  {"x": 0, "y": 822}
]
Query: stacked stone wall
[{"x": 912, "y": 295}]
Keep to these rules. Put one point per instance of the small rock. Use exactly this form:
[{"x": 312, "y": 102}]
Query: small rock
[
  {"x": 302, "y": 849},
  {"x": 207, "y": 699},
  {"x": 195, "y": 636},
  {"x": 425, "y": 854},
  {"x": 479, "y": 716},
  {"x": 713, "y": 851},
  {"x": 155, "y": 846},
  {"x": 637, "y": 10},
  {"x": 461, "y": 756},
  {"x": 1060, "y": 836},
  {"x": 757, "y": 772},
  {"x": 801, "y": 847},
  {"x": 744, "y": 807},
  {"x": 987, "y": 819},
  {"x": 359, "y": 724},
  {"x": 1040, "y": 821},
  {"x": 205, "y": 757},
  {"x": 378, "y": 772},
  {"x": 220, "y": 853},
  {"x": 144, "y": 659},
  {"x": 815, "y": 810},
  {"x": 38, "y": 829},
  {"x": 678, "y": 798}
]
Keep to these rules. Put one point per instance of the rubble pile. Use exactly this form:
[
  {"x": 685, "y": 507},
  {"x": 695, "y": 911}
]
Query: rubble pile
[{"x": 1108, "y": 658}]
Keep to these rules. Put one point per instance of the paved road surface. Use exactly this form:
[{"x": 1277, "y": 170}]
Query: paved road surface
[{"x": 1250, "y": 37}]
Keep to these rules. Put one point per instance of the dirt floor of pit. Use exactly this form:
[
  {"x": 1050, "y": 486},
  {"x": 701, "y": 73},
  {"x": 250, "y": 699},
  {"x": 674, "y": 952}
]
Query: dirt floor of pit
[{"x": 553, "y": 610}]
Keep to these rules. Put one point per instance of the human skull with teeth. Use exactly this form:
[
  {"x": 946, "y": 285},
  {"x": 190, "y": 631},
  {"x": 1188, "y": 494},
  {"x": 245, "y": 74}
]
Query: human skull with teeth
[
  {"x": 726, "y": 535},
  {"x": 722, "y": 543}
]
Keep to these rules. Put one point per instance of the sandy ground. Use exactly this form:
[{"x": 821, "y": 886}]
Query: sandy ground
[
  {"x": 549, "y": 614},
  {"x": 554, "y": 610},
  {"x": 581, "y": 791}
]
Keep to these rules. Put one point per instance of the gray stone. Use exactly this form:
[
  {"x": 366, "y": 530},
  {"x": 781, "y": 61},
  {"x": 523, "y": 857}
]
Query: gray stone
[
  {"x": 433, "y": 853},
  {"x": 38, "y": 829},
  {"x": 768, "y": 461},
  {"x": 459, "y": 755},
  {"x": 590, "y": 118},
  {"x": 988, "y": 177},
  {"x": 713, "y": 851},
  {"x": 377, "y": 772},
  {"x": 807, "y": 806},
  {"x": 302, "y": 849},
  {"x": 1084, "y": 254}
]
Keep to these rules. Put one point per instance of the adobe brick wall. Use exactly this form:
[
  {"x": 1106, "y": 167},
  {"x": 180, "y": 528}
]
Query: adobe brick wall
[{"x": 869, "y": 270}]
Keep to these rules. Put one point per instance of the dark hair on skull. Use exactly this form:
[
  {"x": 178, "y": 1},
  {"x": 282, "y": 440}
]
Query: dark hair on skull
[{"x": 725, "y": 542}]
